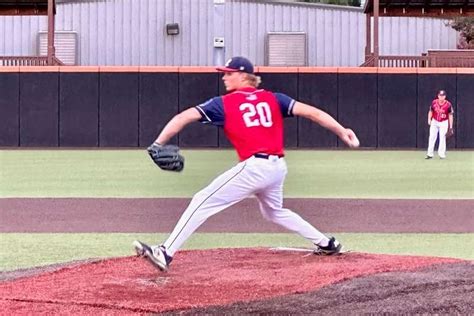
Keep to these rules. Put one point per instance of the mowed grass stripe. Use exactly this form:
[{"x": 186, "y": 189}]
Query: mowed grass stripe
[{"x": 312, "y": 173}]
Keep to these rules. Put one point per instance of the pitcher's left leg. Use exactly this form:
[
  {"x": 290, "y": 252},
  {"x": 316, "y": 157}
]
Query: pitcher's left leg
[{"x": 226, "y": 190}]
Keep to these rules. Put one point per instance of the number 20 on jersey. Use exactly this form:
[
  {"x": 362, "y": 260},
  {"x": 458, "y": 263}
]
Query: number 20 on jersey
[{"x": 256, "y": 115}]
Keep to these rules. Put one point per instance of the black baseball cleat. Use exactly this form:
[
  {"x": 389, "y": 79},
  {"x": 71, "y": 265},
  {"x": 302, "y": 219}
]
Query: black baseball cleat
[
  {"x": 334, "y": 247},
  {"x": 428, "y": 157},
  {"x": 156, "y": 255}
]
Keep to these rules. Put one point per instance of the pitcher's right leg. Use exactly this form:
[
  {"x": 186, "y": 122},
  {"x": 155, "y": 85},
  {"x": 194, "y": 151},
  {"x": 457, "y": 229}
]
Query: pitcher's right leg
[
  {"x": 271, "y": 207},
  {"x": 272, "y": 210}
]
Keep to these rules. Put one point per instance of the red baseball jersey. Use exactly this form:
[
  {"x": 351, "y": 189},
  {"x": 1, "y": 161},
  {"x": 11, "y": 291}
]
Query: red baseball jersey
[
  {"x": 252, "y": 119},
  {"x": 439, "y": 111}
]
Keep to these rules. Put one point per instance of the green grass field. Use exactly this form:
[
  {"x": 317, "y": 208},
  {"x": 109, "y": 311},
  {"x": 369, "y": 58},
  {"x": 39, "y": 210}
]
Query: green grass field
[
  {"x": 321, "y": 174},
  {"x": 27, "y": 250},
  {"x": 329, "y": 174}
]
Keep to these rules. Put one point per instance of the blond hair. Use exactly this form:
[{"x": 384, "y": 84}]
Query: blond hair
[{"x": 253, "y": 80}]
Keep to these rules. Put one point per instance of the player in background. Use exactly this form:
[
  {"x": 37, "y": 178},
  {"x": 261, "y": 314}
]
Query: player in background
[
  {"x": 252, "y": 119},
  {"x": 440, "y": 120}
]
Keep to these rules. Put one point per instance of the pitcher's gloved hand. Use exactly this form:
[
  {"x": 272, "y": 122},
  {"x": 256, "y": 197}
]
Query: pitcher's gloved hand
[{"x": 166, "y": 157}]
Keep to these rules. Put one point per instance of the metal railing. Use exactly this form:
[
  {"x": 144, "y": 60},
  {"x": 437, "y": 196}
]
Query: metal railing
[
  {"x": 437, "y": 59},
  {"x": 403, "y": 61},
  {"x": 396, "y": 61},
  {"x": 28, "y": 61},
  {"x": 445, "y": 61}
]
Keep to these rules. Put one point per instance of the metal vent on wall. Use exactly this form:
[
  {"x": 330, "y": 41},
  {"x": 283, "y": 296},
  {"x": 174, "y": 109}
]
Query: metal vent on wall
[
  {"x": 65, "y": 43},
  {"x": 286, "y": 49}
]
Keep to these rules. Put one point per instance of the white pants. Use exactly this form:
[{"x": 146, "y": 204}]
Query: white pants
[
  {"x": 255, "y": 176},
  {"x": 436, "y": 128}
]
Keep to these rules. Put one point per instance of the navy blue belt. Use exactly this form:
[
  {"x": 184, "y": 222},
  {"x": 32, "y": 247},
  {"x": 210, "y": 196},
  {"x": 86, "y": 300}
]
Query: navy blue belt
[{"x": 266, "y": 156}]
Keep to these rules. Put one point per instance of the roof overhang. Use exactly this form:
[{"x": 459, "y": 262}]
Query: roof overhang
[
  {"x": 422, "y": 8},
  {"x": 25, "y": 7}
]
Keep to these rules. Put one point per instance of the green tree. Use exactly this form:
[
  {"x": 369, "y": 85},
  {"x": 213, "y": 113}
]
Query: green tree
[
  {"x": 354, "y": 3},
  {"x": 465, "y": 26}
]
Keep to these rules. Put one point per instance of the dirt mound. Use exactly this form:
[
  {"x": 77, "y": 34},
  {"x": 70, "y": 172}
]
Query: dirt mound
[
  {"x": 445, "y": 289},
  {"x": 197, "y": 279}
]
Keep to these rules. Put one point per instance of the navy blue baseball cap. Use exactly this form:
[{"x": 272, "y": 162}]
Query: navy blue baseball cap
[{"x": 238, "y": 63}]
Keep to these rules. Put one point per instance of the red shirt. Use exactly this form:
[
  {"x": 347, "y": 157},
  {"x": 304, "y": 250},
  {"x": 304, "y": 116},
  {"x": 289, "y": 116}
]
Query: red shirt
[
  {"x": 252, "y": 119},
  {"x": 440, "y": 112}
]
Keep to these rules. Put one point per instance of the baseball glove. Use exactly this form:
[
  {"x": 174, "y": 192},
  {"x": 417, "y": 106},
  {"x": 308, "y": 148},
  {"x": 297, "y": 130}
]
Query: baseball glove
[
  {"x": 166, "y": 157},
  {"x": 450, "y": 132}
]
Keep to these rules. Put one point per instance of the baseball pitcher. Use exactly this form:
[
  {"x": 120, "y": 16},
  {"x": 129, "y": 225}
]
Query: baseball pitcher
[{"x": 253, "y": 121}]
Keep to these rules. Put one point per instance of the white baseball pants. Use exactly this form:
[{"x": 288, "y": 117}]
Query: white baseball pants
[
  {"x": 255, "y": 176},
  {"x": 436, "y": 128}
]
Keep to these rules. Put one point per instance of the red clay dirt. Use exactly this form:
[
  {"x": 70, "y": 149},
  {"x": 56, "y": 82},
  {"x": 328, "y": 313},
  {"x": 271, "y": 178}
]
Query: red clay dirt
[
  {"x": 440, "y": 289},
  {"x": 241, "y": 281},
  {"x": 197, "y": 279},
  {"x": 160, "y": 215}
]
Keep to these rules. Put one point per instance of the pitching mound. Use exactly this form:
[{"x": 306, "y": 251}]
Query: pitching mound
[{"x": 241, "y": 280}]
